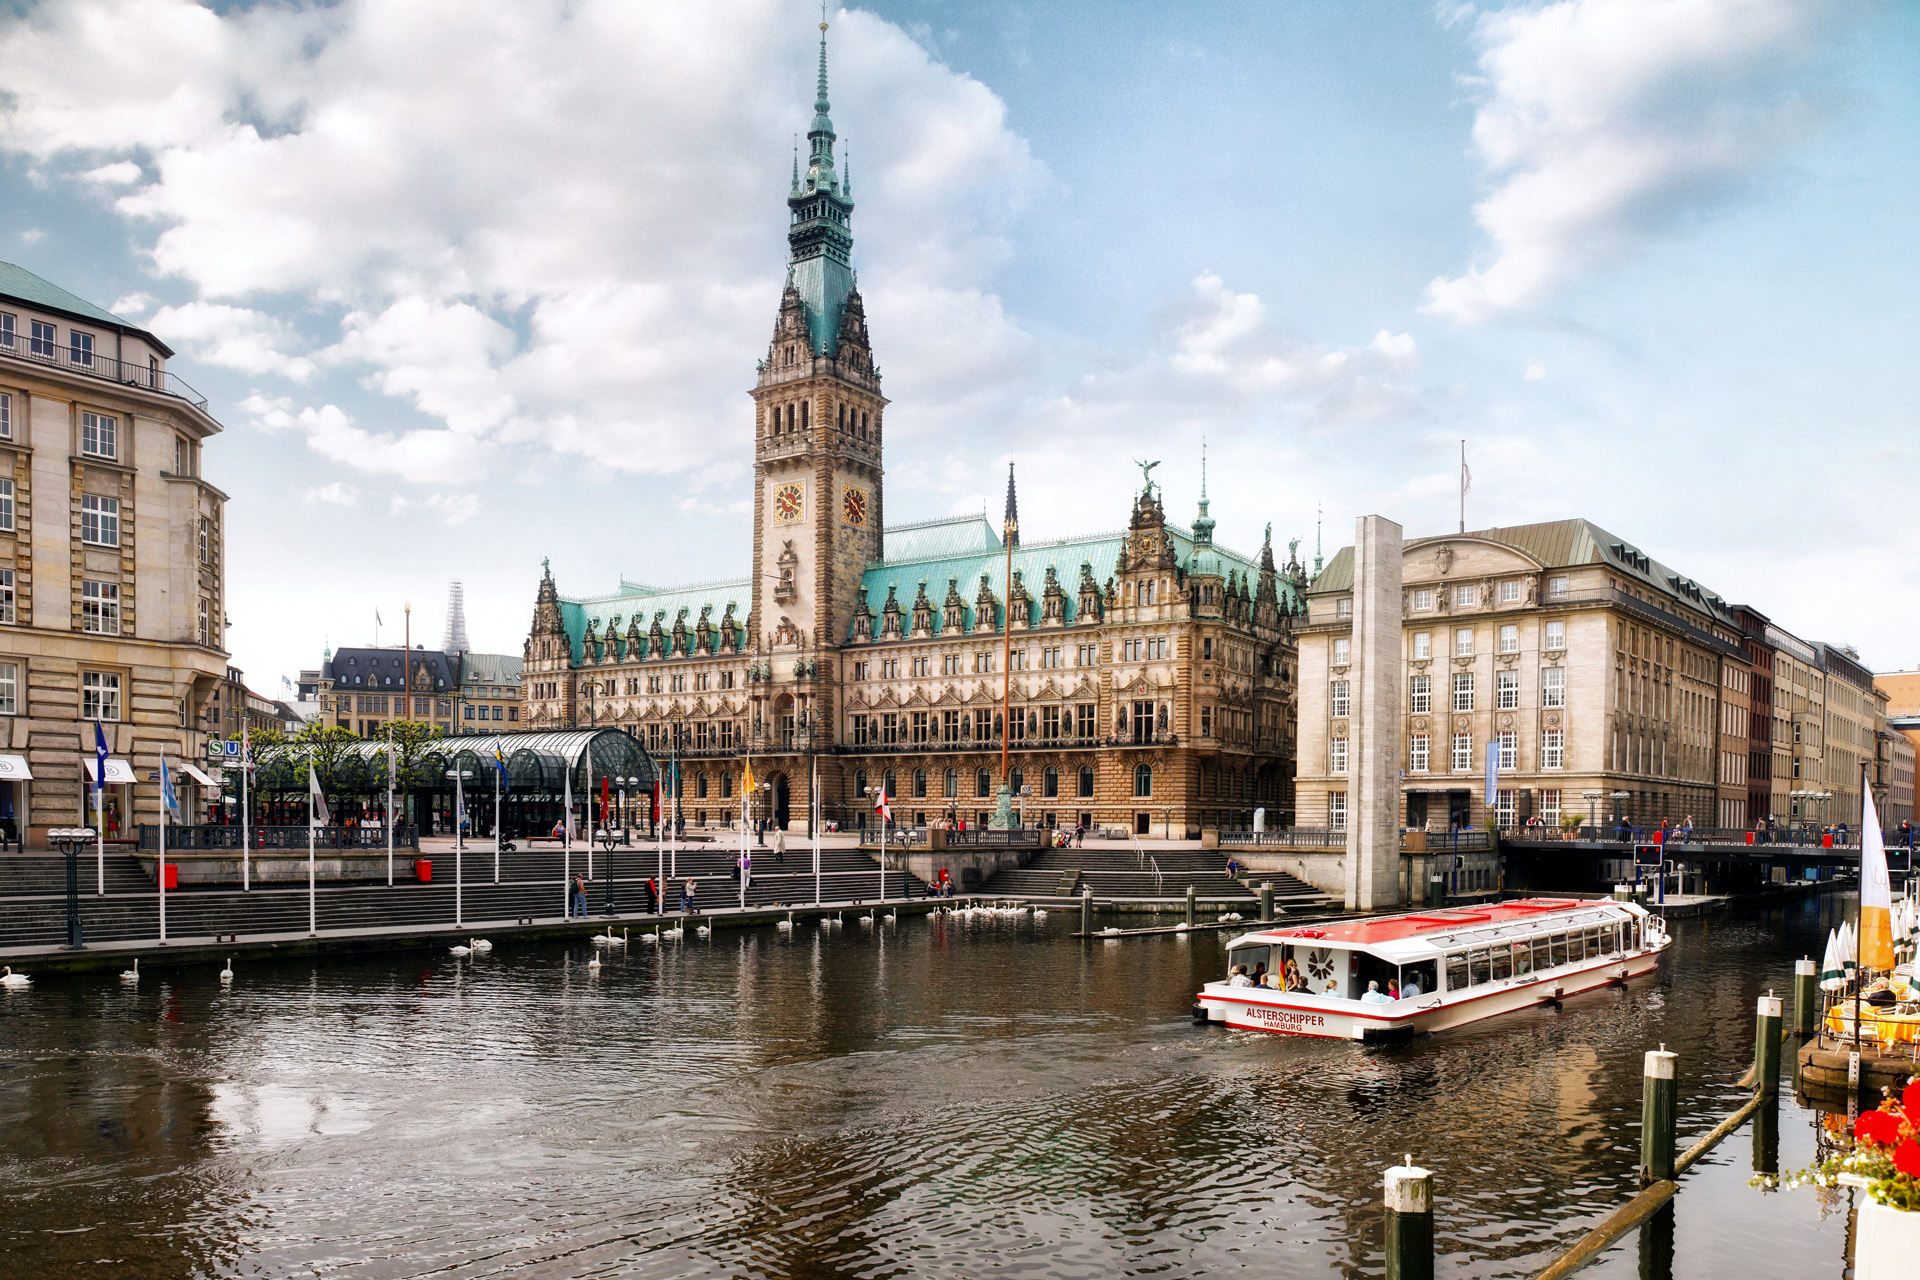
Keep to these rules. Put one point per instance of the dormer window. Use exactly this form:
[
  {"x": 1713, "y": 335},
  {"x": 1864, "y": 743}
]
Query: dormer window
[{"x": 80, "y": 348}]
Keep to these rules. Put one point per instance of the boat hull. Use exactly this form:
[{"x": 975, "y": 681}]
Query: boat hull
[{"x": 1278, "y": 1013}]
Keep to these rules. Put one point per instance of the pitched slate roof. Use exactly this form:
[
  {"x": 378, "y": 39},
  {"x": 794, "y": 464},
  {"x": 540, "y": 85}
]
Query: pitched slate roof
[
  {"x": 369, "y": 668},
  {"x": 490, "y": 668},
  {"x": 1559, "y": 544}
]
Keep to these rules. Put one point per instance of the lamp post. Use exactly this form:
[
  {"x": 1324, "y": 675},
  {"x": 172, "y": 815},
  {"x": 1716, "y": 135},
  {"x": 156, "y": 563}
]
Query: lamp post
[
  {"x": 69, "y": 840},
  {"x": 676, "y": 724},
  {"x": 885, "y": 827},
  {"x": 1593, "y": 799},
  {"x": 459, "y": 778}
]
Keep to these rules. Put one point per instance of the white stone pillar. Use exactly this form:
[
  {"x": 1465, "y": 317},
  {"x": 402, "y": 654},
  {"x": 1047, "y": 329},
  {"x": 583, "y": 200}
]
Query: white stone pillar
[{"x": 1373, "y": 789}]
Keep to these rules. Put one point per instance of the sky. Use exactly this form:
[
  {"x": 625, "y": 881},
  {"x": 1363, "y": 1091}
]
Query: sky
[{"x": 474, "y": 283}]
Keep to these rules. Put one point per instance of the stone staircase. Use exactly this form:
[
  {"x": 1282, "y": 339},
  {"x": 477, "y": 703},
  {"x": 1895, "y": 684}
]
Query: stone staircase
[
  {"x": 33, "y": 893},
  {"x": 1153, "y": 874}
]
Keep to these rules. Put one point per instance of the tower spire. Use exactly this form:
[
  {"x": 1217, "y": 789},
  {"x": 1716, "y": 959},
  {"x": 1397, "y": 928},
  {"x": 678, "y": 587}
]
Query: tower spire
[
  {"x": 820, "y": 221},
  {"x": 1203, "y": 523},
  {"x": 1011, "y": 522},
  {"x": 1317, "y": 509}
]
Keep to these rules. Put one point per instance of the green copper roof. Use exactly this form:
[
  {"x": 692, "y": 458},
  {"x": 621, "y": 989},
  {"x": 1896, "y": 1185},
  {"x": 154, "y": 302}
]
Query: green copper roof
[
  {"x": 933, "y": 539},
  {"x": 30, "y": 290},
  {"x": 643, "y": 602},
  {"x": 820, "y": 239}
]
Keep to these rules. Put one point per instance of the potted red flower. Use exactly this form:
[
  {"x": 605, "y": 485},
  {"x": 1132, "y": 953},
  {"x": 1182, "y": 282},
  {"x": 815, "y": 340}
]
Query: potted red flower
[{"x": 1884, "y": 1159}]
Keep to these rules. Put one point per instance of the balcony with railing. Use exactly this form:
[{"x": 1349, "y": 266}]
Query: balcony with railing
[{"x": 93, "y": 365}]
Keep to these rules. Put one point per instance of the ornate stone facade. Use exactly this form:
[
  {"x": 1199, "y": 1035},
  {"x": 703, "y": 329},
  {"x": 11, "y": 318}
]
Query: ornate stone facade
[{"x": 1152, "y": 672}]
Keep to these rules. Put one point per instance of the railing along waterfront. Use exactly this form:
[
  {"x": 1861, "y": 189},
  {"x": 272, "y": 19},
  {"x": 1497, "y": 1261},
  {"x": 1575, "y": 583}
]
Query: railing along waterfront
[
  {"x": 1687, "y": 837},
  {"x": 1326, "y": 838},
  {"x": 106, "y": 368},
  {"x": 198, "y": 839}
]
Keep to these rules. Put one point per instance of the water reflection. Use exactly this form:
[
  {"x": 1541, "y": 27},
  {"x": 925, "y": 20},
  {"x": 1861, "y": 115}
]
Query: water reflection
[{"x": 945, "y": 1097}]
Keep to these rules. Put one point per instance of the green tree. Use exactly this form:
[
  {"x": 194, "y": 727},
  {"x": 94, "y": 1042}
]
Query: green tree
[
  {"x": 326, "y": 743},
  {"x": 410, "y": 740}
]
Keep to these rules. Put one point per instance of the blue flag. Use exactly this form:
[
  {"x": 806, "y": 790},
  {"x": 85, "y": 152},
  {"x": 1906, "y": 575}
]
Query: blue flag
[
  {"x": 166, "y": 789},
  {"x": 1493, "y": 772},
  {"x": 500, "y": 763},
  {"x": 99, "y": 756}
]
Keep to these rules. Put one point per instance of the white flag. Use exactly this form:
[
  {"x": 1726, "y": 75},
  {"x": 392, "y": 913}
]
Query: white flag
[
  {"x": 319, "y": 817},
  {"x": 1466, "y": 476}
]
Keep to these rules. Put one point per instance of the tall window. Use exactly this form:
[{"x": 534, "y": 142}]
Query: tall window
[
  {"x": 1509, "y": 638},
  {"x": 99, "y": 435},
  {"x": 1341, "y": 649},
  {"x": 919, "y": 784},
  {"x": 1343, "y": 607},
  {"x": 1556, "y": 588},
  {"x": 99, "y": 695},
  {"x": 1553, "y": 749},
  {"x": 1086, "y": 781},
  {"x": 9, "y": 688},
  {"x": 1553, "y": 687},
  {"x": 1421, "y": 698},
  {"x": 1423, "y": 599},
  {"x": 1143, "y": 781},
  {"x": 99, "y": 520},
  {"x": 1510, "y": 591},
  {"x": 80, "y": 348},
  {"x": 1462, "y": 752},
  {"x": 1423, "y": 644},
  {"x": 1206, "y": 722},
  {"x": 6, "y": 413},
  {"x": 1463, "y": 596},
  {"x": 1341, "y": 697},
  {"x": 1417, "y": 753},
  {"x": 6, "y": 506},
  {"x": 1463, "y": 691},
  {"x": 1506, "y": 806},
  {"x": 100, "y": 608},
  {"x": 950, "y": 784},
  {"x": 1463, "y": 642},
  {"x": 1550, "y": 807},
  {"x": 6, "y": 330},
  {"x": 1337, "y": 810},
  {"x": 1142, "y": 721},
  {"x": 1337, "y": 754},
  {"x": 982, "y": 784},
  {"x": 202, "y": 632},
  {"x": 1509, "y": 749},
  {"x": 1050, "y": 782},
  {"x": 43, "y": 339},
  {"x": 1506, "y": 690},
  {"x": 6, "y": 597}
]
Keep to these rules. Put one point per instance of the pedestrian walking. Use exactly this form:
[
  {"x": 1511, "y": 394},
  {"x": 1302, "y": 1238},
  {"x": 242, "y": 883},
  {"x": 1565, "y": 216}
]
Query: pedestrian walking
[
  {"x": 687, "y": 893},
  {"x": 780, "y": 844}
]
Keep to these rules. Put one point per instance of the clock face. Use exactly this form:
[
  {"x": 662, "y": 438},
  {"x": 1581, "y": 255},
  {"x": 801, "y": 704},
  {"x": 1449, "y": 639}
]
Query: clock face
[
  {"x": 854, "y": 506},
  {"x": 787, "y": 501}
]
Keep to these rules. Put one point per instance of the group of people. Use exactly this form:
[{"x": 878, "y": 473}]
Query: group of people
[{"x": 1290, "y": 979}]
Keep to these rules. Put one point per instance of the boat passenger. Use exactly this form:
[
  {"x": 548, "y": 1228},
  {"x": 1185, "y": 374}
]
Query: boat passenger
[
  {"x": 1393, "y": 988},
  {"x": 1260, "y": 975},
  {"x": 1410, "y": 988},
  {"x": 1374, "y": 995},
  {"x": 1271, "y": 981},
  {"x": 1240, "y": 978},
  {"x": 1293, "y": 981}
]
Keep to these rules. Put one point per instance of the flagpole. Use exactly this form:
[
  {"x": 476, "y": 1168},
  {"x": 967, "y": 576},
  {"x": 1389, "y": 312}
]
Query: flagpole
[
  {"x": 390, "y": 767},
  {"x": 163, "y": 847},
  {"x": 566, "y": 847},
  {"x": 659, "y": 852},
  {"x": 100, "y": 828},
  {"x": 496, "y": 814},
  {"x": 1463, "y": 486},
  {"x": 313, "y": 792},
  {"x": 246, "y": 839}
]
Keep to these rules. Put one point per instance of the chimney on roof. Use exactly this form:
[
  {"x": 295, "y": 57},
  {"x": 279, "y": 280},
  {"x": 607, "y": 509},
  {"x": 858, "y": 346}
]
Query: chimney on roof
[{"x": 455, "y": 640}]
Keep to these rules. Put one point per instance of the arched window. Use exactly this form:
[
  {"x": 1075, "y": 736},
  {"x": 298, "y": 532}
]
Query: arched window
[
  {"x": 982, "y": 784},
  {"x": 1143, "y": 780},
  {"x": 952, "y": 789},
  {"x": 1050, "y": 782},
  {"x": 1086, "y": 782},
  {"x": 1017, "y": 780},
  {"x": 843, "y": 416},
  {"x": 892, "y": 790},
  {"x": 789, "y": 417},
  {"x": 860, "y": 784},
  {"x": 919, "y": 784},
  {"x": 863, "y": 426},
  {"x": 803, "y": 413}
]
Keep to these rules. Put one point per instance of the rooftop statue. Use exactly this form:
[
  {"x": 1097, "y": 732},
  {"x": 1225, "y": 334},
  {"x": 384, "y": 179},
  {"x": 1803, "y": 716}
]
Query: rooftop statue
[{"x": 1146, "y": 474}]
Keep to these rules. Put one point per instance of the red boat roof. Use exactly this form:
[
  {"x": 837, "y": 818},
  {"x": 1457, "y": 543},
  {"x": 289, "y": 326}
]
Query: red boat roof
[{"x": 1362, "y": 933}]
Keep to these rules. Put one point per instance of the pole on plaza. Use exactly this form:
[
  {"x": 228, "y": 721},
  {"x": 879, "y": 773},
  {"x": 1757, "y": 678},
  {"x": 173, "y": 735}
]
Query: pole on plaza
[
  {"x": 1658, "y": 1107},
  {"x": 75, "y": 939},
  {"x": 1086, "y": 911},
  {"x": 459, "y": 845},
  {"x": 659, "y": 851},
  {"x": 1266, "y": 901},
  {"x": 814, "y": 788},
  {"x": 313, "y": 811},
  {"x": 163, "y": 853},
  {"x": 100, "y": 829},
  {"x": 496, "y": 825},
  {"x": 1806, "y": 1005},
  {"x": 587, "y": 805},
  {"x": 1409, "y": 1225},
  {"x": 1766, "y": 1046},
  {"x": 390, "y": 772}
]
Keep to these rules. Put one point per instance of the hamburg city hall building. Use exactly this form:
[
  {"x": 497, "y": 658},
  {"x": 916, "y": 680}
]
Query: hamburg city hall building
[{"x": 1142, "y": 680}]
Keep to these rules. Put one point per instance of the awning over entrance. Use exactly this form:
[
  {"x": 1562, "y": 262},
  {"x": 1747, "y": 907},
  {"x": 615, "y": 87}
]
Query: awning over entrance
[
  {"x": 118, "y": 770},
  {"x": 14, "y": 769},
  {"x": 197, "y": 776}
]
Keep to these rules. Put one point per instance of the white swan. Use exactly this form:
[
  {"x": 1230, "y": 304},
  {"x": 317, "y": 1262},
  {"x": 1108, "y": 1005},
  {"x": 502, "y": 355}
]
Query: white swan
[
  {"x": 603, "y": 939},
  {"x": 705, "y": 931},
  {"x": 480, "y": 944},
  {"x": 784, "y": 924},
  {"x": 1038, "y": 914},
  {"x": 867, "y": 918},
  {"x": 12, "y": 979},
  {"x": 459, "y": 950},
  {"x": 653, "y": 937},
  {"x": 674, "y": 934},
  {"x": 226, "y": 974},
  {"x": 620, "y": 941},
  {"x": 1109, "y": 932},
  {"x": 593, "y": 965},
  {"x": 133, "y": 974}
]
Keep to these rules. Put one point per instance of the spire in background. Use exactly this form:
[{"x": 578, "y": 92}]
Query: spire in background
[
  {"x": 1203, "y": 523},
  {"x": 1317, "y": 508},
  {"x": 455, "y": 640},
  {"x": 796, "y": 165},
  {"x": 1010, "y": 523}
]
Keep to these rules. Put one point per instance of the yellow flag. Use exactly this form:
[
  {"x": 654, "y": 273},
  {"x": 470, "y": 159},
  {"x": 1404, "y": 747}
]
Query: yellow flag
[
  {"x": 748, "y": 785},
  {"x": 1876, "y": 891}
]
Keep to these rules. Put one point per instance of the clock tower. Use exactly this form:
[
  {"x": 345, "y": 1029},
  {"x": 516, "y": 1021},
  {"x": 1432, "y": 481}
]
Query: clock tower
[{"x": 817, "y": 432}]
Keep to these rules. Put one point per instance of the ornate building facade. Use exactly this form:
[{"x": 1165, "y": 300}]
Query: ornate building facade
[{"x": 1142, "y": 679}]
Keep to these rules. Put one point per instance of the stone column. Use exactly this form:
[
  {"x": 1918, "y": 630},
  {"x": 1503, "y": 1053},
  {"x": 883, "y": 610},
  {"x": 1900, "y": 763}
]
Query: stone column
[{"x": 1373, "y": 789}]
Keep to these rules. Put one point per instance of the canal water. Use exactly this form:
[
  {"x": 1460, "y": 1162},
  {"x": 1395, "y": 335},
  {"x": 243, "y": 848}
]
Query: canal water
[{"x": 936, "y": 1098}]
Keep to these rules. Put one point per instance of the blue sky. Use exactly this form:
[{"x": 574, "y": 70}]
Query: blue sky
[{"x": 475, "y": 283}]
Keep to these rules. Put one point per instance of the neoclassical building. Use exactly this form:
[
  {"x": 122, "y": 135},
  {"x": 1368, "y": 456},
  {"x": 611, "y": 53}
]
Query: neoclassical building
[{"x": 1142, "y": 679}]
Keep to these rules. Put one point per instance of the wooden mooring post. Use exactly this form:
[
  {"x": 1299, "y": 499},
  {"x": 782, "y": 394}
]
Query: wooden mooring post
[
  {"x": 1409, "y": 1226},
  {"x": 1806, "y": 996},
  {"x": 1193, "y": 904},
  {"x": 1086, "y": 913},
  {"x": 1266, "y": 901},
  {"x": 1658, "y": 1114},
  {"x": 1766, "y": 1047}
]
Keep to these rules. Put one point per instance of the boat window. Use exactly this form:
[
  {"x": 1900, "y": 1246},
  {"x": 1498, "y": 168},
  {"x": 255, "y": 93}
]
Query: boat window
[
  {"x": 1422, "y": 975},
  {"x": 1371, "y": 968},
  {"x": 1557, "y": 949},
  {"x": 1502, "y": 962},
  {"x": 1576, "y": 946},
  {"x": 1541, "y": 960},
  {"x": 1636, "y": 933},
  {"x": 1255, "y": 958},
  {"x": 1480, "y": 971},
  {"x": 1456, "y": 971},
  {"x": 1522, "y": 959}
]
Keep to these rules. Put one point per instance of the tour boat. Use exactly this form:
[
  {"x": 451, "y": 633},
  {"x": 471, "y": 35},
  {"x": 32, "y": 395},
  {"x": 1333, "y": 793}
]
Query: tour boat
[{"x": 1465, "y": 963}]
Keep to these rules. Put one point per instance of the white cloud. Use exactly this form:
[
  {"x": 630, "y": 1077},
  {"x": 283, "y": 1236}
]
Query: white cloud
[
  {"x": 338, "y": 494},
  {"x": 1606, "y": 123},
  {"x": 454, "y": 508},
  {"x": 1536, "y": 371},
  {"x": 32, "y": 235},
  {"x": 134, "y": 304},
  {"x": 423, "y": 455},
  {"x": 573, "y": 268},
  {"x": 235, "y": 337}
]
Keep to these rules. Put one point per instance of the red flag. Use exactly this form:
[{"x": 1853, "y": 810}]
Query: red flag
[
  {"x": 653, "y": 811},
  {"x": 880, "y": 804},
  {"x": 605, "y": 800}
]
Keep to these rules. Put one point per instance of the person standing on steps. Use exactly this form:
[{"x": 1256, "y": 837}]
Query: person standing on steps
[
  {"x": 687, "y": 894},
  {"x": 779, "y": 844},
  {"x": 579, "y": 896}
]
